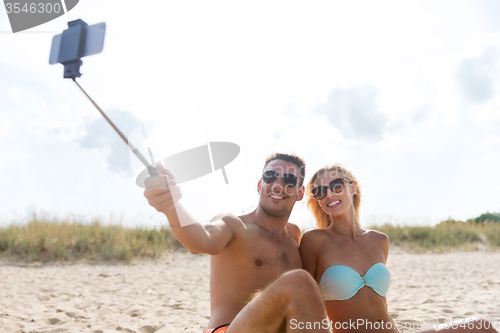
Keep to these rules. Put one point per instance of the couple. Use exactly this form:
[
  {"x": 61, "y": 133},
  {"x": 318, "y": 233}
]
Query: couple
[{"x": 257, "y": 283}]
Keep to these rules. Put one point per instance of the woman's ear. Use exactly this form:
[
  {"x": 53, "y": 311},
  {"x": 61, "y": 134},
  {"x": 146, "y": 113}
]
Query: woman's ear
[{"x": 354, "y": 188}]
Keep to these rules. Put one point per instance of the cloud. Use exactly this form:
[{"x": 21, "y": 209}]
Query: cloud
[
  {"x": 489, "y": 10},
  {"x": 476, "y": 76},
  {"x": 417, "y": 115},
  {"x": 99, "y": 134},
  {"x": 290, "y": 111},
  {"x": 354, "y": 112}
]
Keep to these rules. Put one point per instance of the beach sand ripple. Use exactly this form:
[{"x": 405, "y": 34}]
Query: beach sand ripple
[{"x": 171, "y": 294}]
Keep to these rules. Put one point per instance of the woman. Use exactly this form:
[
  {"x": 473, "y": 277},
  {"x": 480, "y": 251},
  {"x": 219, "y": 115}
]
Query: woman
[{"x": 348, "y": 262}]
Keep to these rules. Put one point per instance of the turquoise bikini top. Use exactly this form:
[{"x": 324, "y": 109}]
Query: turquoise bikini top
[{"x": 341, "y": 282}]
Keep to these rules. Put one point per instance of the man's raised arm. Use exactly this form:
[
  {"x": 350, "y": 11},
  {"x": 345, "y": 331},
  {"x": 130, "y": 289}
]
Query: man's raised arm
[{"x": 163, "y": 194}]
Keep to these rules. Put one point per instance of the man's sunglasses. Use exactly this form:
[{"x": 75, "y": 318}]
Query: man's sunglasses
[
  {"x": 336, "y": 186},
  {"x": 289, "y": 179}
]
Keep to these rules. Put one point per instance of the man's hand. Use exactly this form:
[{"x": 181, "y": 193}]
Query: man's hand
[{"x": 162, "y": 192}]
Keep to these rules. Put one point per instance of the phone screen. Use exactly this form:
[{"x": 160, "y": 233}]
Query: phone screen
[{"x": 94, "y": 42}]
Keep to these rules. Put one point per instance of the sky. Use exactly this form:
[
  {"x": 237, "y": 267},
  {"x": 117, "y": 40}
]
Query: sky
[{"x": 403, "y": 94}]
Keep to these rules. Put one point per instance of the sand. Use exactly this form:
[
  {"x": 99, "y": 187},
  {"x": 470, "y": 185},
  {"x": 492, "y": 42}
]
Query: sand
[{"x": 171, "y": 294}]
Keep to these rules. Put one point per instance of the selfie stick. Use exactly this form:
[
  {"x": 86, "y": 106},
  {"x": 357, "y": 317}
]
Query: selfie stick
[
  {"x": 152, "y": 171},
  {"x": 68, "y": 48}
]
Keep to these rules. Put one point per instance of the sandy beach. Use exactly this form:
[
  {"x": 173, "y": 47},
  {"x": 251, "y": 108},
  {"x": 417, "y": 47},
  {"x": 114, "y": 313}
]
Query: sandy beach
[{"x": 171, "y": 294}]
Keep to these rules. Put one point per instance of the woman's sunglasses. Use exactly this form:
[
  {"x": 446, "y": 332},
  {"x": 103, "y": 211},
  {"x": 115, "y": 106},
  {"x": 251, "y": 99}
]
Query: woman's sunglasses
[
  {"x": 336, "y": 186},
  {"x": 289, "y": 179}
]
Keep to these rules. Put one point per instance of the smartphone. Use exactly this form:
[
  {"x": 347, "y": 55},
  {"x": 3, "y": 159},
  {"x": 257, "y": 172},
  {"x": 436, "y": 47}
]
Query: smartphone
[{"x": 94, "y": 43}]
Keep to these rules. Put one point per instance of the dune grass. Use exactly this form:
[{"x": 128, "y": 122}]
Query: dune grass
[
  {"x": 446, "y": 236},
  {"x": 45, "y": 240},
  {"x": 492, "y": 233}
]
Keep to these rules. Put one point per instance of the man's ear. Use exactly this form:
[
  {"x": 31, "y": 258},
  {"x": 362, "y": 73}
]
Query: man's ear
[
  {"x": 259, "y": 186},
  {"x": 302, "y": 191}
]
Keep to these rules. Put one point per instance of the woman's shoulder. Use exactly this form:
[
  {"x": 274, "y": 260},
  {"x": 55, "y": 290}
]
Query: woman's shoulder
[
  {"x": 314, "y": 232},
  {"x": 381, "y": 240},
  {"x": 377, "y": 236},
  {"x": 313, "y": 236}
]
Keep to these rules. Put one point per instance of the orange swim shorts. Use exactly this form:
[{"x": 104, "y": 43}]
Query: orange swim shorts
[{"x": 220, "y": 329}]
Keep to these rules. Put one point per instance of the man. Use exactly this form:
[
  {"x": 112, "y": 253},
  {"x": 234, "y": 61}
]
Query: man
[{"x": 251, "y": 253}]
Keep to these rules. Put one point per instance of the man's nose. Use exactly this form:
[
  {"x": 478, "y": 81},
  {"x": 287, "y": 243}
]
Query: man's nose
[{"x": 278, "y": 184}]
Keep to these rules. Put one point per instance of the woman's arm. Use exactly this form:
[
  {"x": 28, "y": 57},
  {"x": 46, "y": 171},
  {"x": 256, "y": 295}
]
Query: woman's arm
[{"x": 382, "y": 242}]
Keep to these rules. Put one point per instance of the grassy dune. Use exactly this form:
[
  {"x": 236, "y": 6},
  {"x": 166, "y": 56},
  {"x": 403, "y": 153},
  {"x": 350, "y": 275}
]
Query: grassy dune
[
  {"x": 446, "y": 236},
  {"x": 45, "y": 240}
]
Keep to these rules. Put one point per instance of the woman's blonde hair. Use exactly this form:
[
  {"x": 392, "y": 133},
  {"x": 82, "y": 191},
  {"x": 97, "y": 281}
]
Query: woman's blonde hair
[{"x": 323, "y": 220}]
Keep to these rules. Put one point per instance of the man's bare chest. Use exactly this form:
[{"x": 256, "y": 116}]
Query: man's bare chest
[{"x": 263, "y": 254}]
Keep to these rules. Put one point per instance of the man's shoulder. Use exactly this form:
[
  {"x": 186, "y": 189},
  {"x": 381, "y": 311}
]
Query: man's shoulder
[
  {"x": 227, "y": 218},
  {"x": 225, "y": 221},
  {"x": 293, "y": 230},
  {"x": 292, "y": 227}
]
